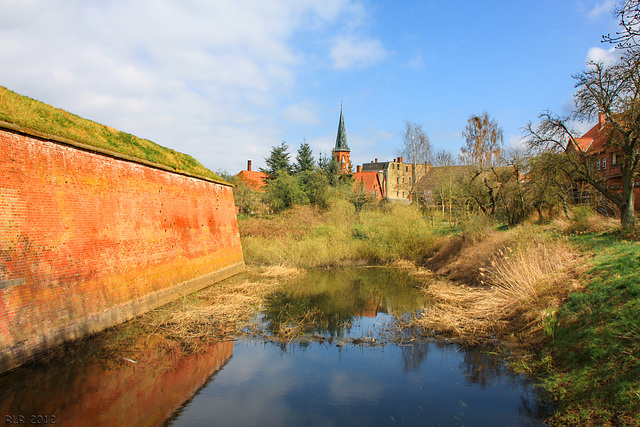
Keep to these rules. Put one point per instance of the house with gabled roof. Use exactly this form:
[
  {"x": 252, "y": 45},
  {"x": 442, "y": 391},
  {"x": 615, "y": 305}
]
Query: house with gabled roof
[
  {"x": 254, "y": 179},
  {"x": 606, "y": 159},
  {"x": 369, "y": 181}
]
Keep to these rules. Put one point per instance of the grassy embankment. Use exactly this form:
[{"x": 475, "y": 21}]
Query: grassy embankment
[
  {"x": 29, "y": 113},
  {"x": 567, "y": 293},
  {"x": 593, "y": 363}
]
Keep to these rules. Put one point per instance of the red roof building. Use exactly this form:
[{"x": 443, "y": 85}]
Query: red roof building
[
  {"x": 606, "y": 158},
  {"x": 369, "y": 181},
  {"x": 254, "y": 179}
]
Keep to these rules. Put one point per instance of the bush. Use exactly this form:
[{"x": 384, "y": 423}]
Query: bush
[
  {"x": 338, "y": 236},
  {"x": 283, "y": 192},
  {"x": 584, "y": 219}
]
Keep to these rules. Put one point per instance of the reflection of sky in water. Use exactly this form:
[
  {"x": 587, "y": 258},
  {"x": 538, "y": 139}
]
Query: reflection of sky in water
[
  {"x": 337, "y": 382},
  {"x": 323, "y": 384}
]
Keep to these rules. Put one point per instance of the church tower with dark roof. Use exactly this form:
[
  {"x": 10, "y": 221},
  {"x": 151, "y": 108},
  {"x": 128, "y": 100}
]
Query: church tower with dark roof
[{"x": 341, "y": 152}]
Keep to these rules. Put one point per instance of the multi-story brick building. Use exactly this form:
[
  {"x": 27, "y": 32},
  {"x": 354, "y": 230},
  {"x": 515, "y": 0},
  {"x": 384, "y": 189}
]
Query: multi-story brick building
[
  {"x": 606, "y": 158},
  {"x": 398, "y": 179}
]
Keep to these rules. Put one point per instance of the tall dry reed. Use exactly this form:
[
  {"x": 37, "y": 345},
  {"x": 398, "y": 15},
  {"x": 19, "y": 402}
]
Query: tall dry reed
[
  {"x": 518, "y": 293},
  {"x": 220, "y": 311}
]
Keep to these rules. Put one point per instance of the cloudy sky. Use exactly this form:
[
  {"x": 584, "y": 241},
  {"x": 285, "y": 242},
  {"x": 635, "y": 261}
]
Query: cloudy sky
[{"x": 225, "y": 80}]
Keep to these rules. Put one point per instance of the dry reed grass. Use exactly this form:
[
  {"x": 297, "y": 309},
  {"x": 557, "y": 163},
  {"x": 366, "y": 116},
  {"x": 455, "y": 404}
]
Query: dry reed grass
[
  {"x": 521, "y": 290},
  {"x": 585, "y": 220},
  {"x": 218, "y": 312},
  {"x": 460, "y": 258},
  {"x": 281, "y": 271}
]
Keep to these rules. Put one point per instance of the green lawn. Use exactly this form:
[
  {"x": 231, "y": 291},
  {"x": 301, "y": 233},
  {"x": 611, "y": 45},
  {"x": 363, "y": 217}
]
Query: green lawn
[{"x": 595, "y": 357}]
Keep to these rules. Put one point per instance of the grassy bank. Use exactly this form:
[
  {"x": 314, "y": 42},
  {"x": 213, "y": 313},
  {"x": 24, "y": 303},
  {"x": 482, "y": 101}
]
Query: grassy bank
[
  {"x": 307, "y": 237},
  {"x": 593, "y": 364},
  {"x": 29, "y": 113}
]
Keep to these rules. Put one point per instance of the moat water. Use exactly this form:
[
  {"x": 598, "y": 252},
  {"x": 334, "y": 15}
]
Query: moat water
[{"x": 349, "y": 365}]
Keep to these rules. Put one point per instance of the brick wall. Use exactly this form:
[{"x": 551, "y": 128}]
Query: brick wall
[{"x": 88, "y": 240}]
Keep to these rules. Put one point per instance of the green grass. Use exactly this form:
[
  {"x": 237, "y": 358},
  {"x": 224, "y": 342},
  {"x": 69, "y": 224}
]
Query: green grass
[
  {"x": 306, "y": 237},
  {"x": 29, "y": 113},
  {"x": 594, "y": 360}
]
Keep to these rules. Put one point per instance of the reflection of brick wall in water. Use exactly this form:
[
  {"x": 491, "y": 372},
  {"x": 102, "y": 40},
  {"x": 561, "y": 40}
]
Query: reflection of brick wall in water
[
  {"x": 88, "y": 240},
  {"x": 145, "y": 393}
]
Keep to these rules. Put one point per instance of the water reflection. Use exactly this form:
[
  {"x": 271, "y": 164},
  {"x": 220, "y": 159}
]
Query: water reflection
[
  {"x": 323, "y": 384},
  {"x": 332, "y": 380},
  {"x": 329, "y": 377},
  {"x": 326, "y": 302},
  {"x": 83, "y": 388}
]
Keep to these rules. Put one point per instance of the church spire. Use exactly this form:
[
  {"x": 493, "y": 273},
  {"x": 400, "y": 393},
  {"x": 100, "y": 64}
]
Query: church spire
[
  {"x": 341, "y": 152},
  {"x": 341, "y": 138}
]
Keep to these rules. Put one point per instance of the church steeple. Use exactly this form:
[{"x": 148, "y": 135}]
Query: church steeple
[
  {"x": 341, "y": 138},
  {"x": 341, "y": 151}
]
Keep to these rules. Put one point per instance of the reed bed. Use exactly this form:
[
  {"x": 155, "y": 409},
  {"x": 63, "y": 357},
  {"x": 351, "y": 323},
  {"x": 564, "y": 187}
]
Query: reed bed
[
  {"x": 218, "y": 312},
  {"x": 519, "y": 293},
  {"x": 585, "y": 219}
]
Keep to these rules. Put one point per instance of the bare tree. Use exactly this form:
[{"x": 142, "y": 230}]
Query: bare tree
[
  {"x": 416, "y": 149},
  {"x": 443, "y": 158},
  {"x": 612, "y": 91},
  {"x": 482, "y": 153},
  {"x": 629, "y": 38},
  {"x": 484, "y": 141},
  {"x": 615, "y": 92}
]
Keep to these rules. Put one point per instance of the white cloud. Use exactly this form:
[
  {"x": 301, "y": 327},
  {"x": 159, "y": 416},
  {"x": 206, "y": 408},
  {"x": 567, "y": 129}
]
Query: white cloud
[
  {"x": 517, "y": 142},
  {"x": 606, "y": 57},
  {"x": 351, "y": 52},
  {"x": 604, "y": 7},
  {"x": 417, "y": 62},
  {"x": 201, "y": 77}
]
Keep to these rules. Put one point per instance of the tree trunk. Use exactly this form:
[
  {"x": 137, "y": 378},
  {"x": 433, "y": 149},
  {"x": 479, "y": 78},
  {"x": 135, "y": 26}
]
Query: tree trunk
[{"x": 628, "y": 216}]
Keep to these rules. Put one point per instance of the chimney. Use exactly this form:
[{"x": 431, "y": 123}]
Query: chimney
[
  {"x": 249, "y": 165},
  {"x": 394, "y": 160},
  {"x": 399, "y": 159},
  {"x": 602, "y": 118},
  {"x": 376, "y": 161},
  {"x": 358, "y": 168}
]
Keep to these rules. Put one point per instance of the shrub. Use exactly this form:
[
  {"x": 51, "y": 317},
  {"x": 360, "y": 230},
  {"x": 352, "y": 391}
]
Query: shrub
[{"x": 584, "y": 219}]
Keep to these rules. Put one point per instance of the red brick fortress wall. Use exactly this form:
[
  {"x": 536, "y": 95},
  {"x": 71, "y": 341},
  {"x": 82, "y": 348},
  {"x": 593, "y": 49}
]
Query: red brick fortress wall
[{"x": 89, "y": 239}]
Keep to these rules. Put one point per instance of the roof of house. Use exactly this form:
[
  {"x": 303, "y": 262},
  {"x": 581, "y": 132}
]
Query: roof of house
[
  {"x": 596, "y": 138},
  {"x": 369, "y": 180},
  {"x": 255, "y": 179}
]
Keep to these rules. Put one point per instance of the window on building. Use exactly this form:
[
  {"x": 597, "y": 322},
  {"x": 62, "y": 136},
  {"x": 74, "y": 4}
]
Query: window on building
[
  {"x": 397, "y": 194},
  {"x": 407, "y": 170},
  {"x": 397, "y": 180},
  {"x": 604, "y": 163},
  {"x": 403, "y": 179},
  {"x": 614, "y": 159},
  {"x": 403, "y": 194},
  {"x": 597, "y": 164}
]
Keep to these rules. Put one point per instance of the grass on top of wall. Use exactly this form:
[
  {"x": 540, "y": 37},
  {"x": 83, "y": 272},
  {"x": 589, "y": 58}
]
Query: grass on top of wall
[{"x": 29, "y": 113}]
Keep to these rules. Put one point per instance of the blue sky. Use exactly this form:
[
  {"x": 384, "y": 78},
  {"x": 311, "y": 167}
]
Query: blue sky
[{"x": 226, "y": 80}]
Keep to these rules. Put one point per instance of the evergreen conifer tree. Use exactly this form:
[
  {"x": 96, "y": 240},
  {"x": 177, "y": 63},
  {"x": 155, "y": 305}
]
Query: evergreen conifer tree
[
  {"x": 278, "y": 160},
  {"x": 304, "y": 159}
]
